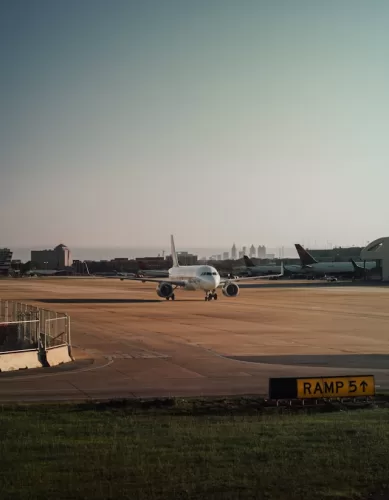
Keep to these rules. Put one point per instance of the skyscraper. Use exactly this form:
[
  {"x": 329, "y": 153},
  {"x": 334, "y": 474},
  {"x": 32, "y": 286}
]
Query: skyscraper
[
  {"x": 252, "y": 251},
  {"x": 261, "y": 252},
  {"x": 233, "y": 252}
]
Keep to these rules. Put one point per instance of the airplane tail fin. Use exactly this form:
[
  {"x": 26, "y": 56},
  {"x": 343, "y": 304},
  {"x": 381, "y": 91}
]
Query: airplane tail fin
[
  {"x": 174, "y": 253},
  {"x": 282, "y": 268},
  {"x": 305, "y": 257},
  {"x": 355, "y": 266},
  {"x": 248, "y": 261}
]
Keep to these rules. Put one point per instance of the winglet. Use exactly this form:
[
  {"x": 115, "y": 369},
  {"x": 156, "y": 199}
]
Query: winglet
[
  {"x": 305, "y": 257},
  {"x": 248, "y": 261},
  {"x": 174, "y": 253}
]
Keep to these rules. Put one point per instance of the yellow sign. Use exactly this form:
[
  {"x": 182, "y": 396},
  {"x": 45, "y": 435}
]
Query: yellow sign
[{"x": 335, "y": 387}]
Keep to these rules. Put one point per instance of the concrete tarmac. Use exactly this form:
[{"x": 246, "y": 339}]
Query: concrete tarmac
[{"x": 129, "y": 343}]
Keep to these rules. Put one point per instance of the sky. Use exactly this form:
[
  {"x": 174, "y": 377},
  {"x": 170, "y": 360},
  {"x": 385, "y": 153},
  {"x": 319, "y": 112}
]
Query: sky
[{"x": 123, "y": 121}]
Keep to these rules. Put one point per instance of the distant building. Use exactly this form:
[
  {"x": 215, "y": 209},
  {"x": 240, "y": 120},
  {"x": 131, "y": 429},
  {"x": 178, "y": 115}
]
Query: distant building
[
  {"x": 233, "y": 252},
  {"x": 241, "y": 253},
  {"x": 225, "y": 255},
  {"x": 270, "y": 256},
  {"x": 58, "y": 258},
  {"x": 252, "y": 251},
  {"x": 5, "y": 261},
  {"x": 244, "y": 250},
  {"x": 187, "y": 259},
  {"x": 155, "y": 262},
  {"x": 336, "y": 254},
  {"x": 219, "y": 256},
  {"x": 261, "y": 252}
]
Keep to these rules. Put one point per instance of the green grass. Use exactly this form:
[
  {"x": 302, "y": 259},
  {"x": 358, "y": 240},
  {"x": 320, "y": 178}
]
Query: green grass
[{"x": 69, "y": 452}]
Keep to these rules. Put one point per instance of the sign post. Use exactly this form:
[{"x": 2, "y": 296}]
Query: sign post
[{"x": 322, "y": 387}]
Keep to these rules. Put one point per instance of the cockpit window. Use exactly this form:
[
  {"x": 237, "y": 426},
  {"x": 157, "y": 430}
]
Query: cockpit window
[{"x": 215, "y": 274}]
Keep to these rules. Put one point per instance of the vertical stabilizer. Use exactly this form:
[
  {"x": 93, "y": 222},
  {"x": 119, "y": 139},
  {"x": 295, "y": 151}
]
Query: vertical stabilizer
[
  {"x": 248, "y": 261},
  {"x": 174, "y": 253},
  {"x": 306, "y": 258}
]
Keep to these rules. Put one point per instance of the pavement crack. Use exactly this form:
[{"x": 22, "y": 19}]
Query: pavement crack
[{"x": 78, "y": 389}]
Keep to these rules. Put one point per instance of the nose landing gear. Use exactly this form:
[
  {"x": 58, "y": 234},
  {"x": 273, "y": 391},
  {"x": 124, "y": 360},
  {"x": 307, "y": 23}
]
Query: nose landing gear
[
  {"x": 173, "y": 297},
  {"x": 210, "y": 296}
]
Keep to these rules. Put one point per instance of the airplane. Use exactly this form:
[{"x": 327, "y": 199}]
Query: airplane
[
  {"x": 310, "y": 265},
  {"x": 46, "y": 272},
  {"x": 253, "y": 270},
  {"x": 144, "y": 270},
  {"x": 205, "y": 278}
]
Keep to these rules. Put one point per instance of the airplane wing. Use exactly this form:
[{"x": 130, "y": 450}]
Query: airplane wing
[{"x": 156, "y": 280}]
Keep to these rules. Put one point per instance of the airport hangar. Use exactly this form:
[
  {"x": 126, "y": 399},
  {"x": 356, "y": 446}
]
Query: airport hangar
[{"x": 378, "y": 250}]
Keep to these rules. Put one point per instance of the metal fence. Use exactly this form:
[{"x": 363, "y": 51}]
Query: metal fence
[{"x": 23, "y": 326}]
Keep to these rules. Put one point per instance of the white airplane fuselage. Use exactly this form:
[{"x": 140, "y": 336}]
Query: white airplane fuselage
[{"x": 196, "y": 277}]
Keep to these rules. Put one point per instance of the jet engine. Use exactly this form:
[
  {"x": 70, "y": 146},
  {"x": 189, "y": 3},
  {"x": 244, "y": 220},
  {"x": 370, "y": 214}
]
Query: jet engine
[
  {"x": 165, "y": 290},
  {"x": 230, "y": 289}
]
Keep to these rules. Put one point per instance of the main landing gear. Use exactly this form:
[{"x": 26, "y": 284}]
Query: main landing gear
[
  {"x": 210, "y": 296},
  {"x": 173, "y": 297}
]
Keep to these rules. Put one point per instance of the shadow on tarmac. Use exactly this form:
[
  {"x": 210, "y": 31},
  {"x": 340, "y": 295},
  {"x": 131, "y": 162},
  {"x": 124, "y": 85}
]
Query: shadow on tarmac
[
  {"x": 368, "y": 361},
  {"x": 96, "y": 301}
]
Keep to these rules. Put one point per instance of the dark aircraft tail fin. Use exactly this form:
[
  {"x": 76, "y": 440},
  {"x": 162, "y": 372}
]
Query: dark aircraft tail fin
[
  {"x": 248, "y": 261},
  {"x": 355, "y": 266},
  {"x": 305, "y": 257},
  {"x": 359, "y": 271}
]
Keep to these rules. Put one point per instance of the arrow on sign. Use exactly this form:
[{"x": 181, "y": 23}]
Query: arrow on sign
[{"x": 363, "y": 384}]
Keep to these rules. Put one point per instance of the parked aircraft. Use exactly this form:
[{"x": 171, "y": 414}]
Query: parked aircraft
[
  {"x": 205, "y": 278},
  {"x": 263, "y": 270},
  {"x": 310, "y": 265},
  {"x": 144, "y": 270},
  {"x": 46, "y": 272}
]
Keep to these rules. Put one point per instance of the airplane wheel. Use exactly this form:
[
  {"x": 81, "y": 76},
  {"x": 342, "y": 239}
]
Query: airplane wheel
[
  {"x": 215, "y": 296},
  {"x": 173, "y": 297},
  {"x": 206, "y": 298},
  {"x": 167, "y": 298}
]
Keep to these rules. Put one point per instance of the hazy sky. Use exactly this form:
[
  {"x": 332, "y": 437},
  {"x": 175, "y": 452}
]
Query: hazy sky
[{"x": 218, "y": 120}]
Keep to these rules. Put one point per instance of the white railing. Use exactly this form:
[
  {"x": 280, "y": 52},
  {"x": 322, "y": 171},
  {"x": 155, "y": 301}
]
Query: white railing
[{"x": 23, "y": 326}]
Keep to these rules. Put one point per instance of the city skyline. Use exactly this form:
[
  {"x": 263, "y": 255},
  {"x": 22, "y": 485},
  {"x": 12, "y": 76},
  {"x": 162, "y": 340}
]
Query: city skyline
[{"x": 107, "y": 253}]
